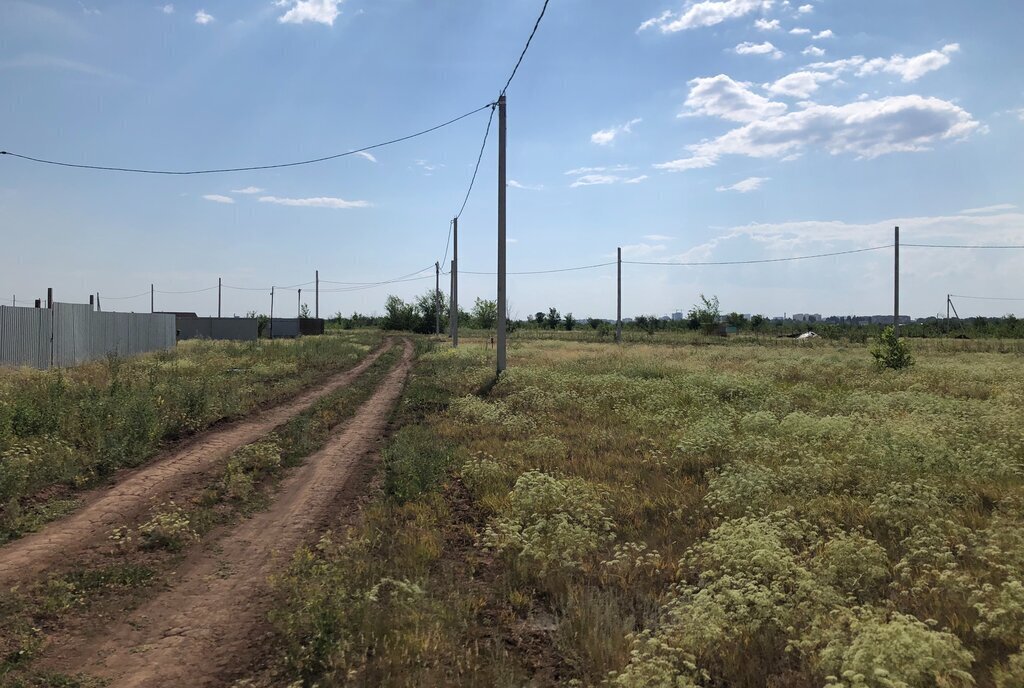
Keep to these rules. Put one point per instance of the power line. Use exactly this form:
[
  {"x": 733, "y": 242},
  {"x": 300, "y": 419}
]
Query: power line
[
  {"x": 542, "y": 272},
  {"x": 124, "y": 298},
  {"x": 960, "y": 246},
  {"x": 761, "y": 260},
  {"x": 251, "y": 168},
  {"x": 374, "y": 285},
  {"x": 986, "y": 298},
  {"x": 525, "y": 47},
  {"x": 193, "y": 291},
  {"x": 393, "y": 279}
]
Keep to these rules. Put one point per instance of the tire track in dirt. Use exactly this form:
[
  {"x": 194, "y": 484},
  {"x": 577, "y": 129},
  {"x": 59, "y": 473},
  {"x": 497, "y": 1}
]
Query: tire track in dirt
[
  {"x": 211, "y": 625},
  {"x": 128, "y": 499}
]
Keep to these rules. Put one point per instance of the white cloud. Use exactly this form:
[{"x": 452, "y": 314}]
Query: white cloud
[
  {"x": 658, "y": 237},
  {"x": 766, "y": 48},
  {"x": 827, "y": 33},
  {"x": 799, "y": 84},
  {"x": 635, "y": 180},
  {"x": 799, "y": 31},
  {"x": 866, "y": 129},
  {"x": 368, "y": 156},
  {"x": 805, "y": 9},
  {"x": 641, "y": 250},
  {"x": 89, "y": 10},
  {"x": 1020, "y": 114},
  {"x": 606, "y": 136},
  {"x": 720, "y": 96},
  {"x": 428, "y": 167},
  {"x": 911, "y": 68},
  {"x": 590, "y": 170},
  {"x": 595, "y": 179},
  {"x": 248, "y": 190},
  {"x": 767, "y": 25},
  {"x": 167, "y": 9},
  {"x": 746, "y": 185},
  {"x": 203, "y": 18},
  {"x": 301, "y": 11},
  {"x": 321, "y": 202},
  {"x": 813, "y": 50},
  {"x": 706, "y": 13},
  {"x": 217, "y": 198},
  {"x": 513, "y": 184},
  {"x": 988, "y": 209}
]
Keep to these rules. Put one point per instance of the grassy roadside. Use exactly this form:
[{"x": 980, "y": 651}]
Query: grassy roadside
[
  {"x": 63, "y": 431},
  {"x": 700, "y": 516},
  {"x": 141, "y": 554}
]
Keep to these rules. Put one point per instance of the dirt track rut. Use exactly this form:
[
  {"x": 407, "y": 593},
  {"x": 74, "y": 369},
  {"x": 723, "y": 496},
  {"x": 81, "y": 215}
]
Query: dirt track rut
[
  {"x": 210, "y": 625},
  {"x": 109, "y": 507}
]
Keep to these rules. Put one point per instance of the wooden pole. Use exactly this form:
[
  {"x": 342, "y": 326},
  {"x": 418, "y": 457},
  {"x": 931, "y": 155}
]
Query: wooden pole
[
  {"x": 502, "y": 188},
  {"x": 896, "y": 286},
  {"x": 618, "y": 300}
]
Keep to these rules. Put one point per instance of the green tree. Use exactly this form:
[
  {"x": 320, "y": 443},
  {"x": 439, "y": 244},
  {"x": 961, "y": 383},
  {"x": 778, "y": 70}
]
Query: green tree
[
  {"x": 399, "y": 315},
  {"x": 570, "y": 321},
  {"x": 736, "y": 320},
  {"x": 594, "y": 323},
  {"x": 891, "y": 351},
  {"x": 757, "y": 322},
  {"x": 553, "y": 318},
  {"x": 485, "y": 313},
  {"x": 707, "y": 313},
  {"x": 539, "y": 319}
]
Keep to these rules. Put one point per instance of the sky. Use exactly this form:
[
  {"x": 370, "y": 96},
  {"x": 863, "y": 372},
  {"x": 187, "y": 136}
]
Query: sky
[{"x": 719, "y": 130}]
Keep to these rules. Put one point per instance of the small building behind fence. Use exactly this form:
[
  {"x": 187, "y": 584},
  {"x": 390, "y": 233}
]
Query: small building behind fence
[{"x": 68, "y": 334}]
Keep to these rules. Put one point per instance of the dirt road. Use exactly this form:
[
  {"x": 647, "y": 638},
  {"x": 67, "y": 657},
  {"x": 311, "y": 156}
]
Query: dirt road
[
  {"x": 209, "y": 626},
  {"x": 135, "y": 493}
]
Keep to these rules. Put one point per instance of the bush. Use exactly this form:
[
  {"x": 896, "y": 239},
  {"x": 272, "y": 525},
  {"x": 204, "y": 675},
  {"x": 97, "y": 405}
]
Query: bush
[
  {"x": 414, "y": 463},
  {"x": 169, "y": 529},
  {"x": 892, "y": 352}
]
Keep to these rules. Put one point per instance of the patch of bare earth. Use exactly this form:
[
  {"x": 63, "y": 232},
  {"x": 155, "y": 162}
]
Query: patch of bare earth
[
  {"x": 210, "y": 626},
  {"x": 137, "y": 491}
]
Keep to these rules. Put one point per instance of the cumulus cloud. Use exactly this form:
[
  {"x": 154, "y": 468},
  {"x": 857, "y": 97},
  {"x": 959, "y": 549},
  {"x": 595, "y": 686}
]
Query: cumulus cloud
[
  {"x": 767, "y": 25},
  {"x": 217, "y": 198},
  {"x": 706, "y": 13},
  {"x": 202, "y": 17},
  {"x": 606, "y": 136},
  {"x": 911, "y": 68},
  {"x": 805, "y": 9},
  {"x": 766, "y": 48},
  {"x": 595, "y": 179},
  {"x": 319, "y": 202},
  {"x": 865, "y": 129},
  {"x": 167, "y": 9},
  {"x": 598, "y": 176},
  {"x": 812, "y": 50},
  {"x": 302, "y": 11},
  {"x": 368, "y": 156},
  {"x": 635, "y": 180},
  {"x": 799, "y": 31},
  {"x": 746, "y": 185},
  {"x": 799, "y": 84},
  {"x": 590, "y": 170},
  {"x": 721, "y": 96},
  {"x": 248, "y": 190},
  {"x": 827, "y": 33}
]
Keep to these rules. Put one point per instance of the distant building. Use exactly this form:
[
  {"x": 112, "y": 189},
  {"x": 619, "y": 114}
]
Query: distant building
[{"x": 678, "y": 315}]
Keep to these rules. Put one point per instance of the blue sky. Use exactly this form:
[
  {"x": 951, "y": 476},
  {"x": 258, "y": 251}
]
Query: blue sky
[{"x": 681, "y": 131}]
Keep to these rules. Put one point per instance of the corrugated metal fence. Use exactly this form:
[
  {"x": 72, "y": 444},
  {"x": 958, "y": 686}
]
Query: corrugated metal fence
[
  {"x": 69, "y": 334},
  {"x": 238, "y": 329}
]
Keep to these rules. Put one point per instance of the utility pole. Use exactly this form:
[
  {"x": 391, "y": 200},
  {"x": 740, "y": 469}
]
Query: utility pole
[
  {"x": 437, "y": 299},
  {"x": 455, "y": 282},
  {"x": 271, "y": 312},
  {"x": 298, "y": 306},
  {"x": 451, "y": 304},
  {"x": 152, "y": 299},
  {"x": 98, "y": 307},
  {"x": 49, "y": 297},
  {"x": 896, "y": 286},
  {"x": 947, "y": 312},
  {"x": 502, "y": 301},
  {"x": 317, "y": 311},
  {"x": 218, "y": 295},
  {"x": 618, "y": 302}
]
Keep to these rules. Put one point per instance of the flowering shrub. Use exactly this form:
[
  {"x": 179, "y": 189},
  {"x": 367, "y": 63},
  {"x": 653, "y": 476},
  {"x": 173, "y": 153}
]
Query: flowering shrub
[
  {"x": 854, "y": 564},
  {"x": 551, "y": 523},
  {"x": 168, "y": 529}
]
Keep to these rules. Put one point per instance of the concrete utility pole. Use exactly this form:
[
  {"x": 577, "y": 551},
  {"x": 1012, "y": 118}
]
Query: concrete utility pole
[
  {"x": 437, "y": 299},
  {"x": 455, "y": 282},
  {"x": 271, "y": 312},
  {"x": 98, "y": 302},
  {"x": 452, "y": 307},
  {"x": 317, "y": 312},
  {"x": 947, "y": 312},
  {"x": 152, "y": 299},
  {"x": 218, "y": 295},
  {"x": 298, "y": 306},
  {"x": 618, "y": 301},
  {"x": 896, "y": 287},
  {"x": 49, "y": 297},
  {"x": 502, "y": 188}
]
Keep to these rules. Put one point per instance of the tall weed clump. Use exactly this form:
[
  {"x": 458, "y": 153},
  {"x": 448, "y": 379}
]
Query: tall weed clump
[{"x": 891, "y": 351}]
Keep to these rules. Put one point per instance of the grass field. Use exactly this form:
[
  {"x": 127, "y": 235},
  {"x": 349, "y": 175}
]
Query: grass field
[
  {"x": 64, "y": 430},
  {"x": 657, "y": 515}
]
